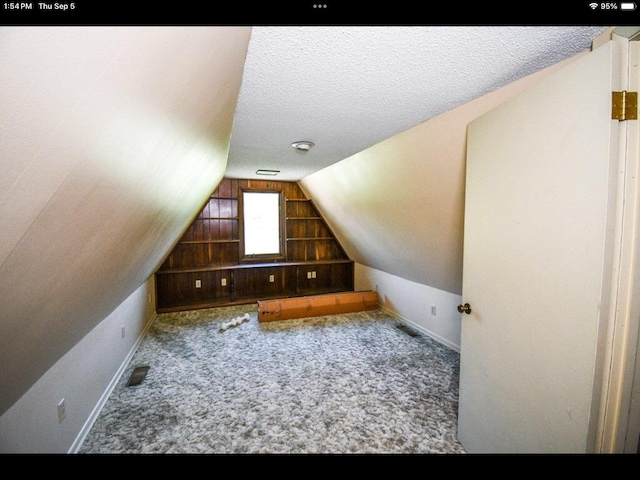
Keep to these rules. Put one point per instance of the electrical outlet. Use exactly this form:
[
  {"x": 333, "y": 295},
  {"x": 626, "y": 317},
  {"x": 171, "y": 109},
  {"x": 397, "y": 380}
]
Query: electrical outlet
[
  {"x": 223, "y": 282},
  {"x": 433, "y": 310},
  {"x": 313, "y": 274},
  {"x": 198, "y": 284},
  {"x": 272, "y": 278},
  {"x": 308, "y": 274},
  {"x": 150, "y": 299},
  {"x": 62, "y": 411}
]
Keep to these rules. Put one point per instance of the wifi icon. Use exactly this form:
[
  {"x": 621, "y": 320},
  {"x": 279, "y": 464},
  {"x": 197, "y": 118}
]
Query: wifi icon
[{"x": 593, "y": 5}]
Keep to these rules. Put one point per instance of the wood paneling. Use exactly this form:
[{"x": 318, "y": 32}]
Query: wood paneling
[
  {"x": 264, "y": 282},
  {"x": 324, "y": 278},
  {"x": 209, "y": 252}
]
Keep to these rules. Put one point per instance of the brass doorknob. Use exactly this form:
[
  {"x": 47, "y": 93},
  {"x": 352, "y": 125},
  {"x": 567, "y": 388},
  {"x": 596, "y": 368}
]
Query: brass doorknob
[{"x": 466, "y": 308}]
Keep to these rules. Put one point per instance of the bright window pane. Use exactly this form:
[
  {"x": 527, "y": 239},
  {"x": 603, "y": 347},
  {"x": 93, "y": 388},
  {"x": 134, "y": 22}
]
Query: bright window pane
[{"x": 261, "y": 223}]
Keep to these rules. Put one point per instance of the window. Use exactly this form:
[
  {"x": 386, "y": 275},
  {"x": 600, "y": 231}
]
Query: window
[{"x": 262, "y": 224}]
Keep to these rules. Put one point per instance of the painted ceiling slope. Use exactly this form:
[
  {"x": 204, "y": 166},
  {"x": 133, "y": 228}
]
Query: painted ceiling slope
[
  {"x": 398, "y": 206},
  {"x": 346, "y": 88},
  {"x": 110, "y": 141}
]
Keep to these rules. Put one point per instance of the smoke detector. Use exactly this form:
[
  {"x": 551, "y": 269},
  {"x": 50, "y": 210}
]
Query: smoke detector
[{"x": 303, "y": 145}]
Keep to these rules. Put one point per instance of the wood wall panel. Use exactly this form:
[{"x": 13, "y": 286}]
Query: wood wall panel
[
  {"x": 253, "y": 283},
  {"x": 209, "y": 251},
  {"x": 179, "y": 290}
]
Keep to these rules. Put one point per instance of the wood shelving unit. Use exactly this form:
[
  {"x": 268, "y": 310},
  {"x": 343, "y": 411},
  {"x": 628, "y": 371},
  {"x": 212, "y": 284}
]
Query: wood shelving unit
[{"x": 205, "y": 268}]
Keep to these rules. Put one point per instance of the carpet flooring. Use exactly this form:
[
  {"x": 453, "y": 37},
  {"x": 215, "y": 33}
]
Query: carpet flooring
[{"x": 358, "y": 383}]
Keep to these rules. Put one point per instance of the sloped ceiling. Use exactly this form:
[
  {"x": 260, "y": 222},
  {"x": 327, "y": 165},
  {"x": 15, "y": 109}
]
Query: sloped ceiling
[
  {"x": 110, "y": 139},
  {"x": 387, "y": 109},
  {"x": 398, "y": 206}
]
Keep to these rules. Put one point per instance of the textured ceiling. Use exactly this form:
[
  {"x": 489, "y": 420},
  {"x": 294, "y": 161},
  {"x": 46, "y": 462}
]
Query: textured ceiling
[{"x": 348, "y": 88}]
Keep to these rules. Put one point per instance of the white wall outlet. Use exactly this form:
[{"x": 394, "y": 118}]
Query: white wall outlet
[
  {"x": 223, "y": 282},
  {"x": 308, "y": 274},
  {"x": 62, "y": 411},
  {"x": 198, "y": 283},
  {"x": 433, "y": 310},
  {"x": 123, "y": 331},
  {"x": 272, "y": 278},
  {"x": 313, "y": 274}
]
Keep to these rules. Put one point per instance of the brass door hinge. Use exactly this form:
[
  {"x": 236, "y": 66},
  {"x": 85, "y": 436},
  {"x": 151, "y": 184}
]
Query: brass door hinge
[{"x": 624, "y": 106}]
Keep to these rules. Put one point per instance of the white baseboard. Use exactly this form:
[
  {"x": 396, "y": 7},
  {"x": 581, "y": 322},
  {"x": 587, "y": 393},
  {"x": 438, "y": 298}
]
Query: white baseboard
[
  {"x": 82, "y": 435},
  {"x": 421, "y": 329}
]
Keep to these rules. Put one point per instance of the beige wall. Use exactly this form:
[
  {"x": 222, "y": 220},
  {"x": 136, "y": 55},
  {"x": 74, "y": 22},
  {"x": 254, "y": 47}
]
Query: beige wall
[
  {"x": 398, "y": 206},
  {"x": 427, "y": 309},
  {"x": 84, "y": 377},
  {"x": 110, "y": 140}
]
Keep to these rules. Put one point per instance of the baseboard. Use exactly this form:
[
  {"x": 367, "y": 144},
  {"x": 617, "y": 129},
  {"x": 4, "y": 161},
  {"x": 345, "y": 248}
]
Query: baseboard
[
  {"x": 421, "y": 329},
  {"x": 75, "y": 447}
]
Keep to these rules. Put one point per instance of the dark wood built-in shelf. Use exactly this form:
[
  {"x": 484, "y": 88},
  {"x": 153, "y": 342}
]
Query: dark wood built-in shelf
[
  {"x": 209, "y": 241},
  {"x": 206, "y": 269},
  {"x": 253, "y": 265}
]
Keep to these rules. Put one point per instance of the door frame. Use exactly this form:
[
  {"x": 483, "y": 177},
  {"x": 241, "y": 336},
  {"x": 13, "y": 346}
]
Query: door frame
[{"x": 618, "y": 424}]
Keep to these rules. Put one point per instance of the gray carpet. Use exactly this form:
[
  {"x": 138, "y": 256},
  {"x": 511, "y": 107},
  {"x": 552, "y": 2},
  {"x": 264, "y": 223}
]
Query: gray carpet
[{"x": 341, "y": 384}]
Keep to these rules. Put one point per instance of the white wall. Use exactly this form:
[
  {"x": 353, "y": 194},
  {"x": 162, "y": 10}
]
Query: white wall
[
  {"x": 84, "y": 377},
  {"x": 412, "y": 302},
  {"x": 111, "y": 140},
  {"x": 398, "y": 206}
]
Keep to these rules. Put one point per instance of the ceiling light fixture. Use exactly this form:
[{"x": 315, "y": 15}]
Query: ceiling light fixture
[
  {"x": 271, "y": 173},
  {"x": 303, "y": 145}
]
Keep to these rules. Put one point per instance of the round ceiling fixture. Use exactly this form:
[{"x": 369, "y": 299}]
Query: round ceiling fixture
[{"x": 303, "y": 145}]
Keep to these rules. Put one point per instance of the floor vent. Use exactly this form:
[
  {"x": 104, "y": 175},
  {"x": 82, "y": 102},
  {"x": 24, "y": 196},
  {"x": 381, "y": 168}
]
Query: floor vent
[
  {"x": 138, "y": 375},
  {"x": 407, "y": 330}
]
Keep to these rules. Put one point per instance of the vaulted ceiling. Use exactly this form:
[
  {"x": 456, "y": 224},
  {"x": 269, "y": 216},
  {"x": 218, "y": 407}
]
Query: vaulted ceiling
[{"x": 111, "y": 139}]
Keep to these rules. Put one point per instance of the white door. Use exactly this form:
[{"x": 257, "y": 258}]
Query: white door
[{"x": 539, "y": 215}]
